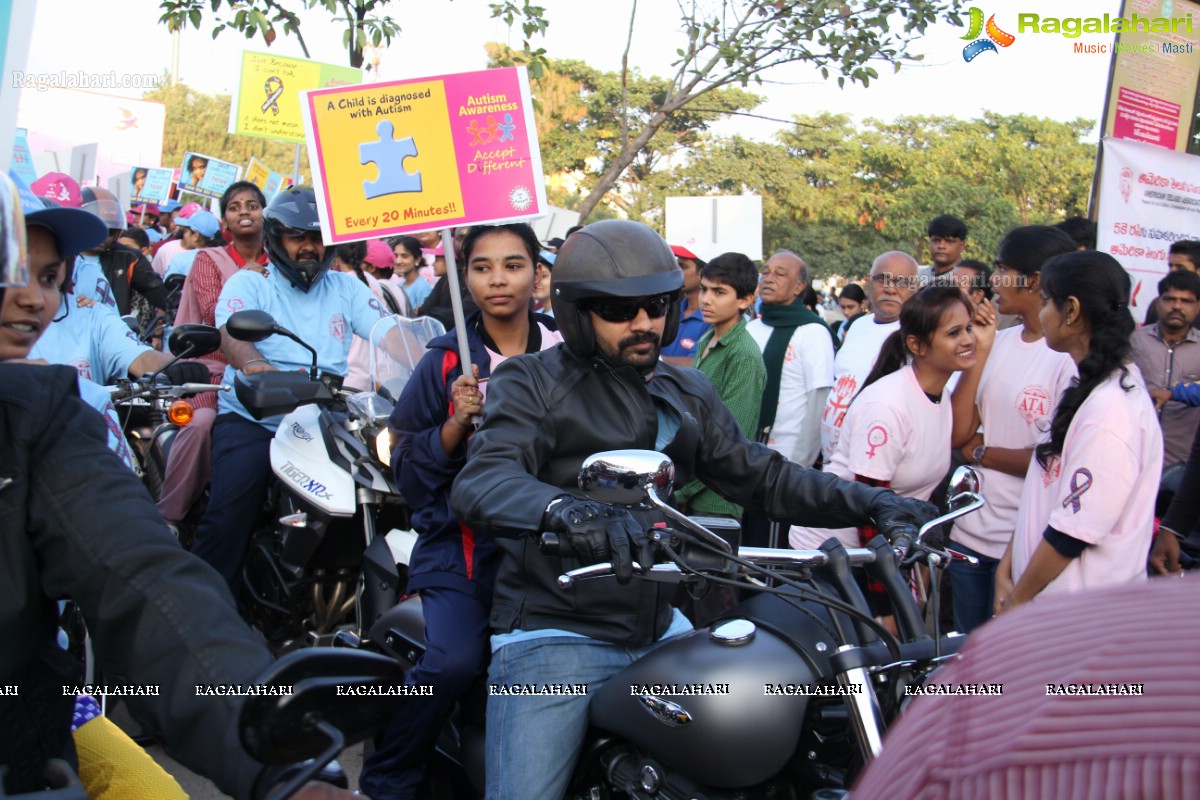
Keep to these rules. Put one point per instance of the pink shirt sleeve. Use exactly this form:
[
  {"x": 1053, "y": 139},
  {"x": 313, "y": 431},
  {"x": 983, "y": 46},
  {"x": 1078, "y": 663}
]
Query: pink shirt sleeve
[{"x": 1098, "y": 477}]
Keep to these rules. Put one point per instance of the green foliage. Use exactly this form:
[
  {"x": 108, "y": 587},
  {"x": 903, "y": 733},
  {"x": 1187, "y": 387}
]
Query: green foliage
[
  {"x": 199, "y": 122},
  {"x": 733, "y": 42},
  {"x": 841, "y": 196},
  {"x": 582, "y": 127}
]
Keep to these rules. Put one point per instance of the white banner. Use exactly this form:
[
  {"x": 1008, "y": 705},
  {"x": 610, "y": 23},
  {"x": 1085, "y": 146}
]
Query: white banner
[
  {"x": 1149, "y": 197},
  {"x": 716, "y": 224}
]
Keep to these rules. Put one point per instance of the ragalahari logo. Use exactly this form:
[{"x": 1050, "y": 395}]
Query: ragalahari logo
[{"x": 995, "y": 36}]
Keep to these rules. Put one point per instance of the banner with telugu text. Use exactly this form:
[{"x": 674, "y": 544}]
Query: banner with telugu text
[
  {"x": 427, "y": 153},
  {"x": 1149, "y": 198},
  {"x": 267, "y": 103}
]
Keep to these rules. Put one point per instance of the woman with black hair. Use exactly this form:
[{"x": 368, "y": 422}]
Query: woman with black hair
[
  {"x": 897, "y": 430},
  {"x": 1002, "y": 407},
  {"x": 1087, "y": 506}
]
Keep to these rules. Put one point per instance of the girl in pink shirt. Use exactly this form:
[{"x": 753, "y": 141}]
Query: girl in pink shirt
[
  {"x": 1002, "y": 406},
  {"x": 1087, "y": 505},
  {"x": 897, "y": 431}
]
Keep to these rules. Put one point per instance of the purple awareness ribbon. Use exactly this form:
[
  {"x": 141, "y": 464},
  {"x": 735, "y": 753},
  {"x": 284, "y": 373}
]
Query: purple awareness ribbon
[{"x": 1077, "y": 488}]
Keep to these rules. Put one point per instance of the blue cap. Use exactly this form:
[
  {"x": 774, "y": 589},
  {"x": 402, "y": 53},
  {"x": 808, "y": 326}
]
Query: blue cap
[
  {"x": 547, "y": 256},
  {"x": 202, "y": 222},
  {"x": 75, "y": 230},
  {"x": 153, "y": 235},
  {"x": 170, "y": 207}
]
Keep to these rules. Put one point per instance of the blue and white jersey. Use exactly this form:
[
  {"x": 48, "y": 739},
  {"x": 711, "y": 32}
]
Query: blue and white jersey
[
  {"x": 181, "y": 264},
  {"x": 328, "y": 316},
  {"x": 96, "y": 397},
  {"x": 90, "y": 282},
  {"x": 92, "y": 340}
]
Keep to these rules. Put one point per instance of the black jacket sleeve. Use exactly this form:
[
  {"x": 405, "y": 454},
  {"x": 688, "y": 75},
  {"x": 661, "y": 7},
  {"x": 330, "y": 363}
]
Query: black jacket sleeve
[
  {"x": 145, "y": 281},
  {"x": 158, "y": 615}
]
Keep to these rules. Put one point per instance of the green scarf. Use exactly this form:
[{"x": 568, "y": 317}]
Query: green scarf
[{"x": 785, "y": 320}]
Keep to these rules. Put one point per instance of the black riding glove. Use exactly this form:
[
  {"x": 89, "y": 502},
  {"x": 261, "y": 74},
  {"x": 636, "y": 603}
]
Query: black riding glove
[
  {"x": 182, "y": 372},
  {"x": 591, "y": 532},
  {"x": 900, "y": 518}
]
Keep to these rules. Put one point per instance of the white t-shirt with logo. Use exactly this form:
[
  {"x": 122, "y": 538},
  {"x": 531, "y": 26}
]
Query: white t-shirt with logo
[
  {"x": 1018, "y": 392},
  {"x": 893, "y": 432},
  {"x": 851, "y": 367},
  {"x": 1100, "y": 490},
  {"x": 807, "y": 368}
]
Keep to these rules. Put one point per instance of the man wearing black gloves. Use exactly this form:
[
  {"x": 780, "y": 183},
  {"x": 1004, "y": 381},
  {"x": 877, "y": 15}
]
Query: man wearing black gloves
[{"x": 616, "y": 299}]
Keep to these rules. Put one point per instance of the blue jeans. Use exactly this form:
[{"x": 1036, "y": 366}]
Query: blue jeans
[
  {"x": 241, "y": 469},
  {"x": 534, "y": 741},
  {"x": 972, "y": 588},
  {"x": 456, "y": 652}
]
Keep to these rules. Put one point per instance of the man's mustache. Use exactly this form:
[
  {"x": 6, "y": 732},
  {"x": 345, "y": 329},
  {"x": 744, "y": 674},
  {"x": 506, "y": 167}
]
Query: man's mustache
[{"x": 640, "y": 338}]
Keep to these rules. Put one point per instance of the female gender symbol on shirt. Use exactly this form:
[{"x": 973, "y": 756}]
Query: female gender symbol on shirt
[
  {"x": 877, "y": 437},
  {"x": 1078, "y": 488}
]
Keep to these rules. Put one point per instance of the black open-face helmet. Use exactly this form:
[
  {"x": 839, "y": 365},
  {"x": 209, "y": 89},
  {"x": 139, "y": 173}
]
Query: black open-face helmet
[
  {"x": 611, "y": 258},
  {"x": 291, "y": 212}
]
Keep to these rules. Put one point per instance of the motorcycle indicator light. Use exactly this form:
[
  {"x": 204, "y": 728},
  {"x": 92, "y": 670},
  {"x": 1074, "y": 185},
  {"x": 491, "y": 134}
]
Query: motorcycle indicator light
[
  {"x": 181, "y": 412},
  {"x": 383, "y": 447}
]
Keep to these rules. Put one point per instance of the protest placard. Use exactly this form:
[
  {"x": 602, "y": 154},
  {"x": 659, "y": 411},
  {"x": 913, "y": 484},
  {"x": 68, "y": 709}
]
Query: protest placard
[
  {"x": 413, "y": 155},
  {"x": 205, "y": 175},
  {"x": 149, "y": 184},
  {"x": 267, "y": 104},
  {"x": 265, "y": 178}
]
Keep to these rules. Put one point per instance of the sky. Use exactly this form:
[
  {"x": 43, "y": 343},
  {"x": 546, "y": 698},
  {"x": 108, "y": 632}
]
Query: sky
[{"x": 1038, "y": 74}]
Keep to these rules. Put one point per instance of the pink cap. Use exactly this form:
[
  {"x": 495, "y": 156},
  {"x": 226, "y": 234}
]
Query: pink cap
[
  {"x": 59, "y": 187},
  {"x": 434, "y": 251},
  {"x": 187, "y": 210},
  {"x": 379, "y": 254}
]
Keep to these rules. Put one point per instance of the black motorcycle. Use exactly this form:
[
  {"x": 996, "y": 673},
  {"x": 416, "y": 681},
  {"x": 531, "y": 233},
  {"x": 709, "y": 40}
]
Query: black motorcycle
[{"x": 807, "y": 679}]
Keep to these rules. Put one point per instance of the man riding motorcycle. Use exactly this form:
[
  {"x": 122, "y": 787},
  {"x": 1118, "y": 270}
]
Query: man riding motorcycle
[
  {"x": 321, "y": 307},
  {"x": 616, "y": 293}
]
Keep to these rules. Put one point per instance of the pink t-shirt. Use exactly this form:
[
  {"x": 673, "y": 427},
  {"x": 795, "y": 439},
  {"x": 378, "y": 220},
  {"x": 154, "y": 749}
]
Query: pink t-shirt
[
  {"x": 893, "y": 432},
  {"x": 1101, "y": 490},
  {"x": 1018, "y": 392},
  {"x": 549, "y": 339},
  {"x": 851, "y": 367}
]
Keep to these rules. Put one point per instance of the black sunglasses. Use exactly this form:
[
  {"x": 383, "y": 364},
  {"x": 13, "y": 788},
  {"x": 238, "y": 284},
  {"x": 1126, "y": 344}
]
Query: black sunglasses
[{"x": 624, "y": 309}]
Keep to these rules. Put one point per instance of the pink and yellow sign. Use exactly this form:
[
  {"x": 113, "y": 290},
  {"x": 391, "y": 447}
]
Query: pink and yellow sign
[{"x": 422, "y": 154}]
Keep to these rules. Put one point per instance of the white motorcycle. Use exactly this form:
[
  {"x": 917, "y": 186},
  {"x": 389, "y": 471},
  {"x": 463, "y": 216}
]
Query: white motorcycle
[{"x": 319, "y": 571}]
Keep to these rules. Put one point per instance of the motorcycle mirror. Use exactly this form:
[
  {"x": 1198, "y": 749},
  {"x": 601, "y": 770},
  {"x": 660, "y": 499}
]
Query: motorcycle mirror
[
  {"x": 626, "y": 476},
  {"x": 251, "y": 325},
  {"x": 131, "y": 322},
  {"x": 345, "y": 688},
  {"x": 192, "y": 340},
  {"x": 964, "y": 481}
]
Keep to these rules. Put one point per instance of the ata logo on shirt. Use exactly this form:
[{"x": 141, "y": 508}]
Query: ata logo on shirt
[
  {"x": 337, "y": 327},
  {"x": 1033, "y": 404},
  {"x": 83, "y": 366},
  {"x": 1051, "y": 473}
]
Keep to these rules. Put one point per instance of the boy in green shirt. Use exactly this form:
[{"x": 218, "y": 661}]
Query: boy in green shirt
[{"x": 730, "y": 358}]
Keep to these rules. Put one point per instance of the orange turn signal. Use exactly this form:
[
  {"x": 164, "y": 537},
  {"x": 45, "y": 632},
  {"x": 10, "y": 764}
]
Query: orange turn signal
[{"x": 181, "y": 412}]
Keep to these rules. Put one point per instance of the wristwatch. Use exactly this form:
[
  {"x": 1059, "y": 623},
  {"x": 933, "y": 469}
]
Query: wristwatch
[{"x": 977, "y": 455}]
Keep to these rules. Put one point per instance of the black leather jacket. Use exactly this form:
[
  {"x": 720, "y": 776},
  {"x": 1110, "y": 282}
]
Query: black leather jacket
[
  {"x": 546, "y": 412},
  {"x": 75, "y": 522}
]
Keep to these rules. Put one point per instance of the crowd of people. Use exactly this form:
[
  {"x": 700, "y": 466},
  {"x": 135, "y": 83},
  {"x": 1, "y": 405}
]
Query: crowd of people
[{"x": 1032, "y": 370}]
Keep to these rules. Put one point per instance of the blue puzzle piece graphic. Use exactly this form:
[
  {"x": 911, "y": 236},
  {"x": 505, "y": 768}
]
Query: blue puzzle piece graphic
[{"x": 388, "y": 155}]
